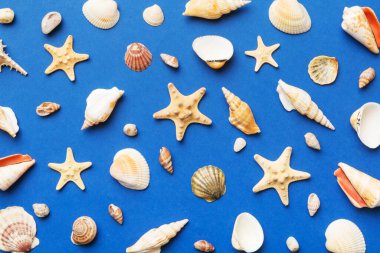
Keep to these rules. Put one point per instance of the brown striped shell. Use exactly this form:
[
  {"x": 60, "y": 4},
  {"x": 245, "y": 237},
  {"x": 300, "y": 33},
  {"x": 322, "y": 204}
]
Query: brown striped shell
[
  {"x": 366, "y": 77},
  {"x": 208, "y": 183},
  {"x": 116, "y": 213},
  {"x": 204, "y": 246},
  {"x": 84, "y": 230},
  {"x": 138, "y": 57},
  {"x": 47, "y": 108},
  {"x": 165, "y": 160}
]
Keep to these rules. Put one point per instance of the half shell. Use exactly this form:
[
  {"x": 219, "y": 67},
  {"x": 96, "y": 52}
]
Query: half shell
[
  {"x": 138, "y": 57},
  {"x": 366, "y": 77},
  {"x": 8, "y": 121},
  {"x": 41, "y": 210},
  {"x": 153, "y": 15},
  {"x": 313, "y": 204},
  {"x": 50, "y": 21},
  {"x": 12, "y": 168},
  {"x": 84, "y": 231},
  {"x": 47, "y": 108},
  {"x": 6, "y": 15},
  {"x": 101, "y": 13},
  {"x": 170, "y": 60},
  {"x": 323, "y": 69},
  {"x": 116, "y": 213},
  {"x": 312, "y": 141},
  {"x": 208, "y": 183}
]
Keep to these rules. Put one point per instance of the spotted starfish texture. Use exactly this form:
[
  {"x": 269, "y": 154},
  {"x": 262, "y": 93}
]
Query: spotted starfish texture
[
  {"x": 263, "y": 54},
  {"x": 70, "y": 170},
  {"x": 64, "y": 58},
  {"x": 278, "y": 175},
  {"x": 183, "y": 110}
]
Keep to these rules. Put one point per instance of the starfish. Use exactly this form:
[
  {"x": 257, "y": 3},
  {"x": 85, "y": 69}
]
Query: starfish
[
  {"x": 70, "y": 170},
  {"x": 64, "y": 58},
  {"x": 5, "y": 60},
  {"x": 278, "y": 175},
  {"x": 183, "y": 110},
  {"x": 263, "y": 54}
]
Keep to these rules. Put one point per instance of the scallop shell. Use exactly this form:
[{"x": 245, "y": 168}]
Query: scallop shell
[
  {"x": 100, "y": 104},
  {"x": 50, "y": 21},
  {"x": 170, "y": 60},
  {"x": 241, "y": 115},
  {"x": 17, "y": 230},
  {"x": 138, "y": 57},
  {"x": 248, "y": 235},
  {"x": 344, "y": 236},
  {"x": 214, "y": 50},
  {"x": 289, "y": 16},
  {"x": 313, "y": 204},
  {"x": 130, "y": 130},
  {"x": 47, "y": 108},
  {"x": 12, "y": 168},
  {"x": 84, "y": 231},
  {"x": 102, "y": 14},
  {"x": 130, "y": 168},
  {"x": 323, "y": 69},
  {"x": 41, "y": 210},
  {"x": 292, "y": 244},
  {"x": 239, "y": 144},
  {"x": 153, "y": 15},
  {"x": 165, "y": 160},
  {"x": 366, "y": 77},
  {"x": 204, "y": 246},
  {"x": 116, "y": 213},
  {"x": 8, "y": 121},
  {"x": 208, "y": 183},
  {"x": 6, "y": 16},
  {"x": 312, "y": 141}
]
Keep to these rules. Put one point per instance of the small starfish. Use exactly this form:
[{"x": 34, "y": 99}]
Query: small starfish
[
  {"x": 5, "y": 60},
  {"x": 64, "y": 58},
  {"x": 183, "y": 110},
  {"x": 263, "y": 54},
  {"x": 70, "y": 170},
  {"x": 278, "y": 175}
]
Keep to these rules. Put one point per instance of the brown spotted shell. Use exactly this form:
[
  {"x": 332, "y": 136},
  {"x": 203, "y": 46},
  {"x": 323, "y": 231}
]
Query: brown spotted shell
[
  {"x": 47, "y": 108},
  {"x": 138, "y": 57},
  {"x": 204, "y": 246},
  {"x": 84, "y": 230},
  {"x": 116, "y": 213},
  {"x": 208, "y": 183},
  {"x": 165, "y": 159}
]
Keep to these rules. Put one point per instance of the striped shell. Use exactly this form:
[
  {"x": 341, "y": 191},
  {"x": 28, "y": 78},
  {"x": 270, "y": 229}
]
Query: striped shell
[
  {"x": 204, "y": 246},
  {"x": 116, "y": 213},
  {"x": 153, "y": 15},
  {"x": 323, "y": 69},
  {"x": 165, "y": 160},
  {"x": 47, "y": 108},
  {"x": 41, "y": 210},
  {"x": 102, "y": 14},
  {"x": 84, "y": 231},
  {"x": 138, "y": 57},
  {"x": 313, "y": 204},
  {"x": 208, "y": 183},
  {"x": 366, "y": 77}
]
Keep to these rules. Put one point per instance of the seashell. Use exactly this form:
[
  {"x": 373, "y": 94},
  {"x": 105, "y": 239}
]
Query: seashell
[
  {"x": 208, "y": 183},
  {"x": 12, "y": 168},
  {"x": 366, "y": 122},
  {"x": 17, "y": 230},
  {"x": 289, "y": 16},
  {"x": 84, "y": 231},
  {"x": 47, "y": 108},
  {"x": 170, "y": 60},
  {"x": 241, "y": 115},
  {"x": 361, "y": 189},
  {"x": 366, "y": 77},
  {"x": 116, "y": 213},
  {"x": 248, "y": 235},
  {"x": 154, "y": 239},
  {"x": 8, "y": 121},
  {"x": 50, "y": 21},
  {"x": 41, "y": 210},
  {"x": 130, "y": 130},
  {"x": 204, "y": 246},
  {"x": 5, "y": 60},
  {"x": 212, "y": 9},
  {"x": 239, "y": 144},
  {"x": 344, "y": 236},
  {"x": 102, "y": 14},
  {"x": 138, "y": 57},
  {"x": 313, "y": 204},
  {"x": 293, "y": 98},
  {"x": 214, "y": 50},
  {"x": 165, "y": 160},
  {"x": 153, "y": 15},
  {"x": 6, "y": 15},
  {"x": 323, "y": 69},
  {"x": 292, "y": 244},
  {"x": 100, "y": 104},
  {"x": 312, "y": 141},
  {"x": 130, "y": 168},
  {"x": 373, "y": 23}
]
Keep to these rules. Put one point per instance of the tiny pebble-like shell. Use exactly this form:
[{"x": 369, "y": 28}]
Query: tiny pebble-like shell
[
  {"x": 138, "y": 57},
  {"x": 313, "y": 204},
  {"x": 47, "y": 108},
  {"x": 323, "y": 69},
  {"x": 292, "y": 244},
  {"x": 84, "y": 231},
  {"x": 239, "y": 144},
  {"x": 165, "y": 160},
  {"x": 6, "y": 15},
  {"x": 204, "y": 246},
  {"x": 366, "y": 77},
  {"x": 130, "y": 130},
  {"x": 116, "y": 213},
  {"x": 170, "y": 60},
  {"x": 50, "y": 21},
  {"x": 153, "y": 15},
  {"x": 41, "y": 210},
  {"x": 209, "y": 183},
  {"x": 312, "y": 141}
]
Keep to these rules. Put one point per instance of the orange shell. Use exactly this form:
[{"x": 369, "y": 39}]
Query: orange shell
[
  {"x": 373, "y": 23},
  {"x": 138, "y": 57},
  {"x": 14, "y": 159}
]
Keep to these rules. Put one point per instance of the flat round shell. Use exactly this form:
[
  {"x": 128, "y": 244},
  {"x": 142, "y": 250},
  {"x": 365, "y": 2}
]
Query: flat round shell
[{"x": 323, "y": 69}]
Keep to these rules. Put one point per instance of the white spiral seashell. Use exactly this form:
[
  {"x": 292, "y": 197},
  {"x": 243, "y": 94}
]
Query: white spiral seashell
[
  {"x": 84, "y": 231},
  {"x": 313, "y": 204},
  {"x": 312, "y": 141}
]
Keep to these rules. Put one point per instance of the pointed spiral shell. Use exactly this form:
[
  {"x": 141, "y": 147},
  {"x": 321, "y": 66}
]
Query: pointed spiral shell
[
  {"x": 366, "y": 77},
  {"x": 204, "y": 246},
  {"x": 165, "y": 160},
  {"x": 84, "y": 230},
  {"x": 313, "y": 204},
  {"x": 116, "y": 213}
]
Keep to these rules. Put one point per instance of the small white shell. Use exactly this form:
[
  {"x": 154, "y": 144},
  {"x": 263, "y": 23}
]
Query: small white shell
[
  {"x": 312, "y": 141},
  {"x": 6, "y": 16},
  {"x": 170, "y": 60},
  {"x": 313, "y": 204},
  {"x": 239, "y": 144},
  {"x": 8, "y": 121},
  {"x": 153, "y": 15},
  {"x": 130, "y": 130},
  {"x": 41, "y": 210},
  {"x": 292, "y": 244},
  {"x": 50, "y": 21},
  {"x": 366, "y": 77}
]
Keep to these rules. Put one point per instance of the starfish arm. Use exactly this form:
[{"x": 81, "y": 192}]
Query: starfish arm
[
  {"x": 50, "y": 49},
  {"x": 198, "y": 95},
  {"x": 272, "y": 62},
  {"x": 260, "y": 42},
  {"x": 262, "y": 185},
  {"x": 284, "y": 195},
  {"x": 70, "y": 72},
  {"x": 80, "y": 57},
  {"x": 180, "y": 129},
  {"x": 285, "y": 157},
  {"x": 173, "y": 91},
  {"x": 162, "y": 114},
  {"x": 69, "y": 155},
  {"x": 79, "y": 182},
  {"x": 251, "y": 53},
  {"x": 55, "y": 166},
  {"x": 297, "y": 175},
  {"x": 202, "y": 119},
  {"x": 262, "y": 162},
  {"x": 84, "y": 166},
  {"x": 69, "y": 42},
  {"x": 62, "y": 182},
  {"x": 258, "y": 65},
  {"x": 273, "y": 47}
]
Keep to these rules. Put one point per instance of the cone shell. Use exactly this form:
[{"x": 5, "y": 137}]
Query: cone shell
[
  {"x": 344, "y": 236},
  {"x": 8, "y": 121},
  {"x": 50, "y": 21},
  {"x": 366, "y": 77},
  {"x": 12, "y": 168},
  {"x": 6, "y": 16},
  {"x": 153, "y": 15},
  {"x": 241, "y": 115},
  {"x": 323, "y": 69},
  {"x": 130, "y": 130},
  {"x": 313, "y": 204},
  {"x": 130, "y": 168},
  {"x": 204, "y": 246},
  {"x": 116, "y": 213},
  {"x": 170, "y": 60},
  {"x": 312, "y": 141},
  {"x": 47, "y": 108},
  {"x": 17, "y": 230},
  {"x": 289, "y": 16},
  {"x": 41, "y": 210},
  {"x": 138, "y": 57},
  {"x": 239, "y": 144},
  {"x": 84, "y": 231},
  {"x": 154, "y": 239},
  {"x": 102, "y": 14},
  {"x": 165, "y": 160},
  {"x": 208, "y": 183}
]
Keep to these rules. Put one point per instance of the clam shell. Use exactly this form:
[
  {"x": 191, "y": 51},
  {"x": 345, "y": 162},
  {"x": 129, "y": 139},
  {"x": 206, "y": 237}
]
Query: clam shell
[
  {"x": 41, "y": 210},
  {"x": 239, "y": 144},
  {"x": 138, "y": 57},
  {"x": 170, "y": 60},
  {"x": 47, "y": 108},
  {"x": 214, "y": 50},
  {"x": 208, "y": 183},
  {"x": 292, "y": 244},
  {"x": 6, "y": 15},
  {"x": 130, "y": 168},
  {"x": 323, "y": 69},
  {"x": 165, "y": 160},
  {"x": 366, "y": 77},
  {"x": 12, "y": 168},
  {"x": 130, "y": 130},
  {"x": 153, "y": 15},
  {"x": 344, "y": 236},
  {"x": 116, "y": 213},
  {"x": 84, "y": 231},
  {"x": 204, "y": 246},
  {"x": 8, "y": 121},
  {"x": 102, "y": 14},
  {"x": 313, "y": 204},
  {"x": 50, "y": 21},
  {"x": 312, "y": 141}
]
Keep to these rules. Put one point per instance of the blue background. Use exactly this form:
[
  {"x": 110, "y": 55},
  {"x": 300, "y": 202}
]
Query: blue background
[{"x": 169, "y": 197}]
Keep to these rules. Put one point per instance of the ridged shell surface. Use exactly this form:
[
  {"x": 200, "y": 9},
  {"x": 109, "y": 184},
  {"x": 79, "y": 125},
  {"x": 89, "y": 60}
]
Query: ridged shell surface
[
  {"x": 8, "y": 121},
  {"x": 313, "y": 204},
  {"x": 116, "y": 213},
  {"x": 101, "y": 13},
  {"x": 47, "y": 108},
  {"x": 12, "y": 168},
  {"x": 138, "y": 57},
  {"x": 41, "y": 210},
  {"x": 323, "y": 69},
  {"x": 208, "y": 183},
  {"x": 84, "y": 230},
  {"x": 366, "y": 77},
  {"x": 153, "y": 15}
]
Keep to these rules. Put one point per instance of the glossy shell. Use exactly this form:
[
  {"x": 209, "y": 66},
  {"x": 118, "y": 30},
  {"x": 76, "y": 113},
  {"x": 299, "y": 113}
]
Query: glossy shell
[
  {"x": 138, "y": 57},
  {"x": 102, "y": 14},
  {"x": 239, "y": 144},
  {"x": 204, "y": 246},
  {"x": 366, "y": 77},
  {"x": 292, "y": 244},
  {"x": 312, "y": 141},
  {"x": 50, "y": 21},
  {"x": 165, "y": 159},
  {"x": 12, "y": 168},
  {"x": 84, "y": 230},
  {"x": 208, "y": 183},
  {"x": 8, "y": 121},
  {"x": 6, "y": 15},
  {"x": 170, "y": 60}
]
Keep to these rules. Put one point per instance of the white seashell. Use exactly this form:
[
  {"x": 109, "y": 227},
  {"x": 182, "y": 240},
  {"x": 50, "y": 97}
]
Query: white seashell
[
  {"x": 41, "y": 210},
  {"x": 154, "y": 239},
  {"x": 50, "y": 21},
  {"x": 6, "y": 16},
  {"x": 323, "y": 69},
  {"x": 239, "y": 144},
  {"x": 343, "y": 236},
  {"x": 12, "y": 168},
  {"x": 292, "y": 244},
  {"x": 130, "y": 130},
  {"x": 312, "y": 141},
  {"x": 153, "y": 15},
  {"x": 47, "y": 108},
  {"x": 366, "y": 122},
  {"x": 214, "y": 50},
  {"x": 100, "y": 104},
  {"x": 170, "y": 60},
  {"x": 366, "y": 77},
  {"x": 313, "y": 204},
  {"x": 101, "y": 13},
  {"x": 248, "y": 235},
  {"x": 8, "y": 121},
  {"x": 130, "y": 168}
]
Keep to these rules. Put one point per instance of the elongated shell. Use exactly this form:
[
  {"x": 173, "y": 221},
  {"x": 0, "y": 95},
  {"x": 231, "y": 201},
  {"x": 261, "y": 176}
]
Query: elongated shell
[
  {"x": 154, "y": 239},
  {"x": 6, "y": 15},
  {"x": 212, "y": 9},
  {"x": 165, "y": 160},
  {"x": 208, "y": 183},
  {"x": 344, "y": 236},
  {"x": 17, "y": 230},
  {"x": 8, "y": 121},
  {"x": 12, "y": 168},
  {"x": 292, "y": 244},
  {"x": 239, "y": 144},
  {"x": 293, "y": 98},
  {"x": 323, "y": 69},
  {"x": 138, "y": 57},
  {"x": 84, "y": 231},
  {"x": 41, "y": 210},
  {"x": 102, "y": 14},
  {"x": 116, "y": 213},
  {"x": 366, "y": 77},
  {"x": 100, "y": 104},
  {"x": 50, "y": 21},
  {"x": 5, "y": 60},
  {"x": 241, "y": 115},
  {"x": 153, "y": 15},
  {"x": 130, "y": 168},
  {"x": 289, "y": 16},
  {"x": 313, "y": 204},
  {"x": 204, "y": 246},
  {"x": 170, "y": 60},
  {"x": 312, "y": 141},
  {"x": 47, "y": 108}
]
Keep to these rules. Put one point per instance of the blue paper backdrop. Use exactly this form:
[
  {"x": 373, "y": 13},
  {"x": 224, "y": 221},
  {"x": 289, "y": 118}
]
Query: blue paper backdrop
[{"x": 169, "y": 197}]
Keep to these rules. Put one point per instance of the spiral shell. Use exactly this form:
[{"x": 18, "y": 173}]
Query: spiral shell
[
  {"x": 84, "y": 231},
  {"x": 170, "y": 60},
  {"x": 165, "y": 159},
  {"x": 47, "y": 108},
  {"x": 138, "y": 57},
  {"x": 41, "y": 210},
  {"x": 323, "y": 69},
  {"x": 204, "y": 246},
  {"x": 208, "y": 183},
  {"x": 366, "y": 77},
  {"x": 116, "y": 213},
  {"x": 313, "y": 204},
  {"x": 312, "y": 141},
  {"x": 8, "y": 120}
]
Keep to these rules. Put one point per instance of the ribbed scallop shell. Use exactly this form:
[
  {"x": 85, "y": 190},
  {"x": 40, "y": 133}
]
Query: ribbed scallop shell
[
  {"x": 165, "y": 160},
  {"x": 116, "y": 213},
  {"x": 289, "y": 16},
  {"x": 170, "y": 60},
  {"x": 366, "y": 77},
  {"x": 47, "y": 108},
  {"x": 17, "y": 230},
  {"x": 204, "y": 246},
  {"x": 41, "y": 210},
  {"x": 343, "y": 236},
  {"x": 138, "y": 57},
  {"x": 8, "y": 121},
  {"x": 208, "y": 183},
  {"x": 12, "y": 168},
  {"x": 153, "y": 15},
  {"x": 101, "y": 13},
  {"x": 323, "y": 69},
  {"x": 84, "y": 230},
  {"x": 312, "y": 141},
  {"x": 313, "y": 204}
]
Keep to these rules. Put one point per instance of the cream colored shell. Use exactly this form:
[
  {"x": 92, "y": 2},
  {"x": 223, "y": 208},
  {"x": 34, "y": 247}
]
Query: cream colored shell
[
  {"x": 313, "y": 204},
  {"x": 6, "y": 15},
  {"x": 292, "y": 244},
  {"x": 209, "y": 183},
  {"x": 50, "y": 21},
  {"x": 41, "y": 210},
  {"x": 239, "y": 144},
  {"x": 9, "y": 174},
  {"x": 84, "y": 231},
  {"x": 130, "y": 130},
  {"x": 116, "y": 213},
  {"x": 153, "y": 15},
  {"x": 170, "y": 60},
  {"x": 323, "y": 69},
  {"x": 102, "y": 14},
  {"x": 47, "y": 108},
  {"x": 8, "y": 121},
  {"x": 312, "y": 141},
  {"x": 366, "y": 77}
]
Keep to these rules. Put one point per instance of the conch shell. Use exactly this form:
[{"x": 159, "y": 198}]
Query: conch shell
[
  {"x": 84, "y": 231},
  {"x": 8, "y": 121},
  {"x": 116, "y": 213},
  {"x": 5, "y": 60},
  {"x": 12, "y": 168},
  {"x": 293, "y": 98},
  {"x": 366, "y": 77}
]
